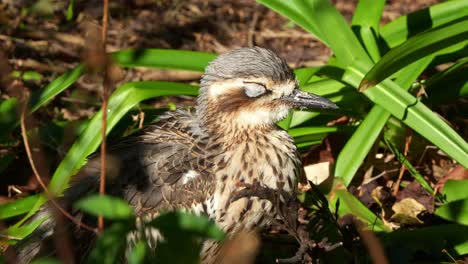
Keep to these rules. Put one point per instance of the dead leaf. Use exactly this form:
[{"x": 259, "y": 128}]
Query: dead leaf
[
  {"x": 318, "y": 172},
  {"x": 407, "y": 211},
  {"x": 458, "y": 173}
]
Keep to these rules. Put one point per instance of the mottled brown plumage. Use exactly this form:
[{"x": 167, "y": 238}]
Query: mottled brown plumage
[{"x": 195, "y": 159}]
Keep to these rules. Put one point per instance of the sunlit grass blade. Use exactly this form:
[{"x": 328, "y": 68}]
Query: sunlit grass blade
[
  {"x": 366, "y": 20},
  {"x": 9, "y": 109},
  {"x": 455, "y": 190},
  {"x": 164, "y": 58},
  {"x": 415, "y": 48},
  {"x": 303, "y": 75},
  {"x": 17, "y": 207},
  {"x": 303, "y": 131},
  {"x": 46, "y": 94},
  {"x": 21, "y": 232},
  {"x": 400, "y": 29},
  {"x": 369, "y": 37},
  {"x": 336, "y": 31},
  {"x": 348, "y": 204},
  {"x": 290, "y": 10},
  {"x": 368, "y": 13},
  {"x": 359, "y": 145},
  {"x": 414, "y": 114},
  {"x": 456, "y": 211}
]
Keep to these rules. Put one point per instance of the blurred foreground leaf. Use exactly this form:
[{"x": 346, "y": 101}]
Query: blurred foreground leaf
[{"x": 108, "y": 206}]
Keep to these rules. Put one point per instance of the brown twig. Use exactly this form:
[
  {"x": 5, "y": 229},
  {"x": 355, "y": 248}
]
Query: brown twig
[
  {"x": 105, "y": 91},
  {"x": 50, "y": 196},
  {"x": 403, "y": 167},
  {"x": 372, "y": 243}
]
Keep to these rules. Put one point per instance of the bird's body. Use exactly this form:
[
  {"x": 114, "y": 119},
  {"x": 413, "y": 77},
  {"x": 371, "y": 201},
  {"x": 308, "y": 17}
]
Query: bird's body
[{"x": 195, "y": 160}]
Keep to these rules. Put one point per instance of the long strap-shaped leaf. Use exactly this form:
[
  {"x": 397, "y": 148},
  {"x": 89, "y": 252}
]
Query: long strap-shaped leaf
[
  {"x": 328, "y": 24},
  {"x": 415, "y": 48},
  {"x": 164, "y": 58},
  {"x": 360, "y": 143},
  {"x": 153, "y": 58},
  {"x": 400, "y": 29},
  {"x": 414, "y": 114},
  {"x": 366, "y": 20}
]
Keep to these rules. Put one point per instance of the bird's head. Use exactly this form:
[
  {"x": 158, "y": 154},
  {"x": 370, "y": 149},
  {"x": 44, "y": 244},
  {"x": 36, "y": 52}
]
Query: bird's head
[{"x": 252, "y": 88}]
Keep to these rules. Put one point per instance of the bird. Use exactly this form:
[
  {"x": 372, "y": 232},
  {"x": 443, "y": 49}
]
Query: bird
[{"x": 195, "y": 159}]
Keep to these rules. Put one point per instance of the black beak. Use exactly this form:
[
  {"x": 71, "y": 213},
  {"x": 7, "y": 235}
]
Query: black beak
[{"x": 301, "y": 99}]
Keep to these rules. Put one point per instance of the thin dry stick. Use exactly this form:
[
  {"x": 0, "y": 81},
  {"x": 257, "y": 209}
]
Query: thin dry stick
[
  {"x": 403, "y": 167},
  {"x": 105, "y": 91},
  {"x": 50, "y": 196},
  {"x": 372, "y": 243}
]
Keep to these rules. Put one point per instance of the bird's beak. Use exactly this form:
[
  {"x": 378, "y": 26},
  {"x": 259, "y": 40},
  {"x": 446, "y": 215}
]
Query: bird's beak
[{"x": 301, "y": 99}]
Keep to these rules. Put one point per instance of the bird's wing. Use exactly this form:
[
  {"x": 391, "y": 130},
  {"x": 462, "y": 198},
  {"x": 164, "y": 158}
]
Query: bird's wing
[{"x": 163, "y": 167}]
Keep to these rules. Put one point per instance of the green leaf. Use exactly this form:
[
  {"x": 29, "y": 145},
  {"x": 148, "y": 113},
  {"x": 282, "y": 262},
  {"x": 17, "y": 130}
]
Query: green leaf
[
  {"x": 368, "y": 13},
  {"x": 402, "y": 159},
  {"x": 456, "y": 211},
  {"x": 23, "y": 231},
  {"x": 182, "y": 232},
  {"x": 17, "y": 207},
  {"x": 108, "y": 206},
  {"x": 303, "y": 75},
  {"x": 414, "y": 114},
  {"x": 455, "y": 190},
  {"x": 303, "y": 131},
  {"x": 400, "y": 29},
  {"x": 110, "y": 245},
  {"x": 139, "y": 253},
  {"x": 164, "y": 58},
  {"x": 46, "y": 261},
  {"x": 43, "y": 96},
  {"x": 415, "y": 48},
  {"x": 291, "y": 10},
  {"x": 368, "y": 36},
  {"x": 335, "y": 31},
  {"x": 70, "y": 8},
  {"x": 9, "y": 110},
  {"x": 179, "y": 224},
  {"x": 348, "y": 204},
  {"x": 359, "y": 145}
]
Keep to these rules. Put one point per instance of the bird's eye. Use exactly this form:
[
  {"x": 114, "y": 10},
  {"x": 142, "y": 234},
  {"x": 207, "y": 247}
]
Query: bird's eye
[{"x": 254, "y": 89}]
